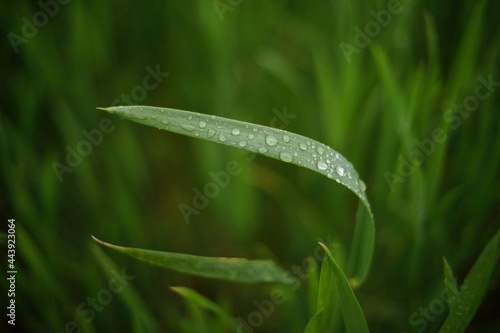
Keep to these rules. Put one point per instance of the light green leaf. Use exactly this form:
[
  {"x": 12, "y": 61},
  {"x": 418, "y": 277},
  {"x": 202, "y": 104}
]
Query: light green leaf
[
  {"x": 194, "y": 297},
  {"x": 359, "y": 262},
  {"x": 282, "y": 145},
  {"x": 232, "y": 269},
  {"x": 314, "y": 325},
  {"x": 352, "y": 313},
  {"x": 450, "y": 283},
  {"x": 465, "y": 305},
  {"x": 328, "y": 303}
]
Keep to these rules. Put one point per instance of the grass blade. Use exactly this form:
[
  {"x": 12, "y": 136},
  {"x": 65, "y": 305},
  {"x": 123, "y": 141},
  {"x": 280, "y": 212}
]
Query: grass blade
[
  {"x": 314, "y": 325},
  {"x": 194, "y": 297},
  {"x": 473, "y": 290},
  {"x": 354, "y": 318},
  {"x": 327, "y": 306},
  {"x": 450, "y": 283},
  {"x": 232, "y": 269},
  {"x": 141, "y": 317},
  {"x": 279, "y": 144}
]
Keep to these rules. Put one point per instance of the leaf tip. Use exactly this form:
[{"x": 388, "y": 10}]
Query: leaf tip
[
  {"x": 96, "y": 239},
  {"x": 104, "y": 243},
  {"x": 105, "y": 109},
  {"x": 324, "y": 247}
]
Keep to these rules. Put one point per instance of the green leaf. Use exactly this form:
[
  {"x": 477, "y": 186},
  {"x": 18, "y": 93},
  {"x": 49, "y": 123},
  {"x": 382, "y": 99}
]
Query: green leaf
[
  {"x": 279, "y": 144},
  {"x": 327, "y": 307},
  {"x": 352, "y": 313},
  {"x": 194, "y": 297},
  {"x": 449, "y": 282},
  {"x": 141, "y": 317},
  {"x": 359, "y": 262},
  {"x": 232, "y": 269},
  {"x": 465, "y": 305},
  {"x": 314, "y": 325}
]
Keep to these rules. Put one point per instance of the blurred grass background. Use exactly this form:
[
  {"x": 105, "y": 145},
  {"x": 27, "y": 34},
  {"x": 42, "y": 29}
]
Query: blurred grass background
[{"x": 262, "y": 58}]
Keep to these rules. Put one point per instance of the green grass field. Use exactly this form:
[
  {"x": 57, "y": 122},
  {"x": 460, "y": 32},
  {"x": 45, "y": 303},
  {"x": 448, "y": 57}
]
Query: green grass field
[{"x": 408, "y": 92}]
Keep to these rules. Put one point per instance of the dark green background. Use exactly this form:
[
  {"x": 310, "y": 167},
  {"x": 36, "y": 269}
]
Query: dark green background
[{"x": 260, "y": 58}]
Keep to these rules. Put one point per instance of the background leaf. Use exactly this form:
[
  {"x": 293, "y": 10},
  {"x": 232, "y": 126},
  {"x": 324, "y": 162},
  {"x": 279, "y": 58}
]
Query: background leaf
[
  {"x": 193, "y": 296},
  {"x": 473, "y": 290},
  {"x": 232, "y": 269}
]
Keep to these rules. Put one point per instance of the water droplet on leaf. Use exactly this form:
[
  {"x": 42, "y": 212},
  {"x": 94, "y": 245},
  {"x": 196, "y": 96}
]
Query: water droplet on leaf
[
  {"x": 189, "y": 128},
  {"x": 322, "y": 165},
  {"x": 340, "y": 170},
  {"x": 271, "y": 140},
  {"x": 362, "y": 185},
  {"x": 285, "y": 157}
]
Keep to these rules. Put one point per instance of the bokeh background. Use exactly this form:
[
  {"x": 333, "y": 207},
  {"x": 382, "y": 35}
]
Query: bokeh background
[{"x": 251, "y": 61}]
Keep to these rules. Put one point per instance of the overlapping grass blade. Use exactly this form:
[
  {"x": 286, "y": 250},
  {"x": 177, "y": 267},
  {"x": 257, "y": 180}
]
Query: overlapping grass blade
[
  {"x": 141, "y": 316},
  {"x": 354, "y": 319},
  {"x": 194, "y": 297},
  {"x": 450, "y": 283},
  {"x": 465, "y": 305},
  {"x": 327, "y": 304},
  {"x": 314, "y": 324},
  {"x": 232, "y": 269},
  {"x": 279, "y": 144}
]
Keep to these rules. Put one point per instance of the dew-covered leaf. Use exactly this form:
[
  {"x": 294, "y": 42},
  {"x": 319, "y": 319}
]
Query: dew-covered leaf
[{"x": 276, "y": 143}]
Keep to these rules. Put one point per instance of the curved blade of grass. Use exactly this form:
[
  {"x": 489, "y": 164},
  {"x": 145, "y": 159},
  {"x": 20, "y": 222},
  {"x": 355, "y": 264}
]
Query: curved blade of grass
[
  {"x": 232, "y": 269},
  {"x": 194, "y": 297},
  {"x": 352, "y": 313},
  {"x": 279, "y": 144},
  {"x": 473, "y": 290},
  {"x": 327, "y": 303},
  {"x": 314, "y": 324}
]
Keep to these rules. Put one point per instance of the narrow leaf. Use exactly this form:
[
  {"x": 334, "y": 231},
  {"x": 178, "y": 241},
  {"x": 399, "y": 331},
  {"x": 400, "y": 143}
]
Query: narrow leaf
[
  {"x": 473, "y": 290},
  {"x": 352, "y": 313},
  {"x": 194, "y": 297},
  {"x": 450, "y": 283},
  {"x": 141, "y": 315},
  {"x": 232, "y": 269},
  {"x": 328, "y": 302},
  {"x": 282, "y": 145},
  {"x": 314, "y": 325}
]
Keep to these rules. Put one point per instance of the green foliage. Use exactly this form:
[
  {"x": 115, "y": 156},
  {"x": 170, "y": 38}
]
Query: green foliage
[
  {"x": 465, "y": 303},
  {"x": 279, "y": 144},
  {"x": 231, "y": 269},
  {"x": 401, "y": 107}
]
